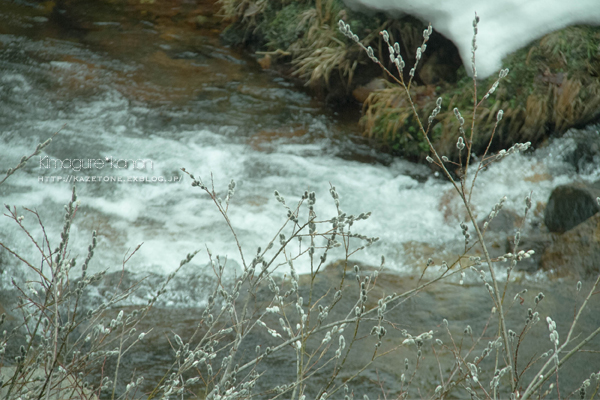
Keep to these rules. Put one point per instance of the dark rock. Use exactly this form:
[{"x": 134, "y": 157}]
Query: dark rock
[
  {"x": 570, "y": 205},
  {"x": 440, "y": 66},
  {"x": 576, "y": 252}
]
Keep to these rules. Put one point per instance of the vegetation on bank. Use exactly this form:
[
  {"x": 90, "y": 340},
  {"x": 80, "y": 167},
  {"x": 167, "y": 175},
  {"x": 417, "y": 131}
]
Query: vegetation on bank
[
  {"x": 555, "y": 85},
  {"x": 303, "y": 33}
]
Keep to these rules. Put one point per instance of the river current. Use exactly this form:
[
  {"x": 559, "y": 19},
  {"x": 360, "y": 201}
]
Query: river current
[{"x": 124, "y": 89}]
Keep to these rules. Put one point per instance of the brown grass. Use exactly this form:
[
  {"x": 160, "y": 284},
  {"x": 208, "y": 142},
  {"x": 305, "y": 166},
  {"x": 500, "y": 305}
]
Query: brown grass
[{"x": 321, "y": 52}]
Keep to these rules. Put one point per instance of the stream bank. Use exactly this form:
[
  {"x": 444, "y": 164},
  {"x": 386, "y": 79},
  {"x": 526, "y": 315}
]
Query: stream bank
[{"x": 554, "y": 83}]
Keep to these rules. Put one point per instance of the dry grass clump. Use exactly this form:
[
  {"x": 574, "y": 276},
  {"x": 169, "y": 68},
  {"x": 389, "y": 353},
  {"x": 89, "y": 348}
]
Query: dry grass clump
[
  {"x": 304, "y": 33},
  {"x": 387, "y": 116},
  {"x": 555, "y": 86},
  {"x": 321, "y": 52},
  {"x": 244, "y": 10}
]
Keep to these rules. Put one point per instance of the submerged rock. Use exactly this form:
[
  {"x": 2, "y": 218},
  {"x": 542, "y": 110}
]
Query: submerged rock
[
  {"x": 583, "y": 152},
  {"x": 576, "y": 252}
]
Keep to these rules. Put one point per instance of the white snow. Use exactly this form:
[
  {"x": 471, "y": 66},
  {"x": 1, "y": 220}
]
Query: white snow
[{"x": 505, "y": 25}]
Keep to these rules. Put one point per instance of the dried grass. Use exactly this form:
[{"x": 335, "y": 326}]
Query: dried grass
[
  {"x": 388, "y": 105},
  {"x": 320, "y": 52},
  {"x": 242, "y": 10}
]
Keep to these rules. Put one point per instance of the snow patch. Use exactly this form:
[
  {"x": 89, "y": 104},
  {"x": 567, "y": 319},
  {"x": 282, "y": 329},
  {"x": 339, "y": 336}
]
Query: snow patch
[{"x": 505, "y": 27}]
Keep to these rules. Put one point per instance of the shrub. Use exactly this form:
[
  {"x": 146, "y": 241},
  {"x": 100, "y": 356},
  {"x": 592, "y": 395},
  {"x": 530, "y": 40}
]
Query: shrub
[{"x": 60, "y": 341}]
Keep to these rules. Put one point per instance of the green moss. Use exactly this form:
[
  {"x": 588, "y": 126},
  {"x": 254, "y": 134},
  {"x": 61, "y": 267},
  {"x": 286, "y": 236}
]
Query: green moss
[
  {"x": 362, "y": 24},
  {"x": 553, "y": 85},
  {"x": 281, "y": 27},
  {"x": 252, "y": 27}
]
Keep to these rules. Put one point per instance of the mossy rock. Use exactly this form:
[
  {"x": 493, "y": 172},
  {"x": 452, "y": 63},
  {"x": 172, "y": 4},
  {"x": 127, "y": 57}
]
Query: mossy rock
[
  {"x": 553, "y": 85},
  {"x": 302, "y": 33},
  {"x": 281, "y": 29},
  {"x": 269, "y": 26}
]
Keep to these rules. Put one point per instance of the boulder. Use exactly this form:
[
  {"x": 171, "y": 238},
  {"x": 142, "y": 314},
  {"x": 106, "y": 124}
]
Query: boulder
[
  {"x": 570, "y": 205},
  {"x": 575, "y": 252},
  {"x": 441, "y": 65}
]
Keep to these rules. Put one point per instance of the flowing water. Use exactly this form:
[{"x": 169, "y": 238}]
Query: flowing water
[
  {"x": 164, "y": 97},
  {"x": 124, "y": 89}
]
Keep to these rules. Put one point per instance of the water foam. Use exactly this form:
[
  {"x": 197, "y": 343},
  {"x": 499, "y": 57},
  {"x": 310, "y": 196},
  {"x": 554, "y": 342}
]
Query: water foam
[{"x": 173, "y": 219}]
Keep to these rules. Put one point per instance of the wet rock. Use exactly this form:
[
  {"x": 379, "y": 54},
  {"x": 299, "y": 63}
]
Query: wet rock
[
  {"x": 265, "y": 62},
  {"x": 575, "y": 252},
  {"x": 337, "y": 95},
  {"x": 201, "y": 20},
  {"x": 584, "y": 152},
  {"x": 265, "y": 140},
  {"x": 570, "y": 205},
  {"x": 206, "y": 21}
]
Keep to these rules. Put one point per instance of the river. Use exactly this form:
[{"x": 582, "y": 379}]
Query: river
[{"x": 124, "y": 89}]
